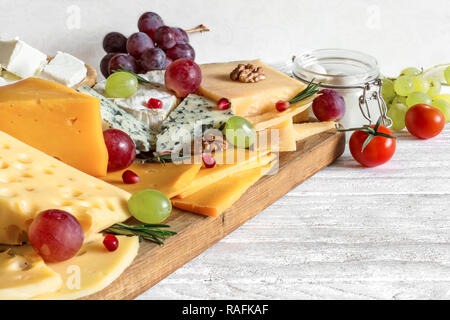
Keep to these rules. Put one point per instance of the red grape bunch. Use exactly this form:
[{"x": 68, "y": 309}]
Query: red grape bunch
[{"x": 154, "y": 47}]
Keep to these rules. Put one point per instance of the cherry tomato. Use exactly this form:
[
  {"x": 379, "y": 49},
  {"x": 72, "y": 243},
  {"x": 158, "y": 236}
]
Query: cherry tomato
[
  {"x": 424, "y": 121},
  {"x": 380, "y": 150}
]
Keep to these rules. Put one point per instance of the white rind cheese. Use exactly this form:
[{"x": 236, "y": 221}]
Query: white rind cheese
[
  {"x": 117, "y": 118},
  {"x": 21, "y": 59},
  {"x": 65, "y": 69},
  {"x": 193, "y": 113}
]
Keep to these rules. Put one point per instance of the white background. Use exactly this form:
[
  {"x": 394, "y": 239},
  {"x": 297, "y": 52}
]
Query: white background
[{"x": 347, "y": 232}]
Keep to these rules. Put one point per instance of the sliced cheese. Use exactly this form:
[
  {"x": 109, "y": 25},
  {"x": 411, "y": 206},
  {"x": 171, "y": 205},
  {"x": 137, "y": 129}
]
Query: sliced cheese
[
  {"x": 31, "y": 181},
  {"x": 213, "y": 200},
  {"x": 56, "y": 120},
  {"x": 279, "y": 138},
  {"x": 247, "y": 98},
  {"x": 207, "y": 177},
  {"x": 25, "y": 275},
  {"x": 307, "y": 129},
  {"x": 93, "y": 269},
  {"x": 169, "y": 178}
]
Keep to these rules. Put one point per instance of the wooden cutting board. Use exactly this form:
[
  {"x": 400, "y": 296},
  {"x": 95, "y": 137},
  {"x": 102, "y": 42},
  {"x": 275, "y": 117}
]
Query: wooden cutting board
[{"x": 196, "y": 233}]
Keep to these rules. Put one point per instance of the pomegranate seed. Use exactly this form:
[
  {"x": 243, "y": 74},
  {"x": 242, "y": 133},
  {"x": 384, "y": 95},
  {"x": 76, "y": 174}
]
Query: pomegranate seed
[
  {"x": 129, "y": 177},
  {"x": 223, "y": 104},
  {"x": 208, "y": 160},
  {"x": 282, "y": 105},
  {"x": 154, "y": 104},
  {"x": 111, "y": 242}
]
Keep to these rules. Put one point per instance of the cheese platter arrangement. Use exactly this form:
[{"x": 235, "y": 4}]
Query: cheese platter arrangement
[{"x": 108, "y": 186}]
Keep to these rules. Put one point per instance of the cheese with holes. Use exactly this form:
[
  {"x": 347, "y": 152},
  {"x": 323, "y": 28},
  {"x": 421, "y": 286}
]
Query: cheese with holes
[
  {"x": 92, "y": 269},
  {"x": 207, "y": 177},
  {"x": 247, "y": 98},
  {"x": 307, "y": 129},
  {"x": 212, "y": 201},
  {"x": 31, "y": 181},
  {"x": 24, "y": 275},
  {"x": 168, "y": 178},
  {"x": 279, "y": 138},
  {"x": 57, "y": 120}
]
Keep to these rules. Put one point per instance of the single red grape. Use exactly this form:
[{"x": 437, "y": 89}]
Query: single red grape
[
  {"x": 153, "y": 59},
  {"x": 183, "y": 76},
  {"x": 208, "y": 160},
  {"x": 282, "y": 105},
  {"x": 165, "y": 37},
  {"x": 137, "y": 43},
  {"x": 329, "y": 105},
  {"x": 56, "y": 235},
  {"x": 223, "y": 104},
  {"x": 180, "y": 35},
  {"x": 122, "y": 60},
  {"x": 129, "y": 177},
  {"x": 153, "y": 103},
  {"x": 181, "y": 50},
  {"x": 115, "y": 42},
  {"x": 105, "y": 62},
  {"x": 111, "y": 242},
  {"x": 121, "y": 149},
  {"x": 149, "y": 22}
]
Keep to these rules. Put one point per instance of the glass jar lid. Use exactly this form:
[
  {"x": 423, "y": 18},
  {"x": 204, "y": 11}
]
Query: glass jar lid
[{"x": 336, "y": 68}]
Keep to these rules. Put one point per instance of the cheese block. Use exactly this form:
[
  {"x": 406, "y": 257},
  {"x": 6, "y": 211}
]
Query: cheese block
[
  {"x": 92, "y": 269},
  {"x": 279, "y": 138},
  {"x": 57, "y": 120},
  {"x": 31, "y": 181},
  {"x": 213, "y": 200},
  {"x": 65, "y": 69},
  {"x": 168, "y": 178},
  {"x": 117, "y": 118},
  {"x": 307, "y": 129},
  {"x": 247, "y": 99},
  {"x": 207, "y": 177},
  {"x": 191, "y": 118},
  {"x": 24, "y": 275}
]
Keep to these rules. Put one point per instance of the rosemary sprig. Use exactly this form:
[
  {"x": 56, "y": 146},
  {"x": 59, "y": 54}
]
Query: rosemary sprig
[
  {"x": 310, "y": 90},
  {"x": 138, "y": 77},
  {"x": 149, "y": 232}
]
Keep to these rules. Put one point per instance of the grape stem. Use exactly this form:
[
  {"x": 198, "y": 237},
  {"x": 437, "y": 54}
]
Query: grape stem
[{"x": 199, "y": 28}]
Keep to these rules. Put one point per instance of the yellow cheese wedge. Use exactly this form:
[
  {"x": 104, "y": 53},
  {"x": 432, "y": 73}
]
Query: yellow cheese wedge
[
  {"x": 279, "y": 138},
  {"x": 307, "y": 129},
  {"x": 247, "y": 98},
  {"x": 31, "y": 181},
  {"x": 25, "y": 275},
  {"x": 93, "y": 269},
  {"x": 169, "y": 178},
  {"x": 213, "y": 200},
  {"x": 209, "y": 176},
  {"x": 56, "y": 120}
]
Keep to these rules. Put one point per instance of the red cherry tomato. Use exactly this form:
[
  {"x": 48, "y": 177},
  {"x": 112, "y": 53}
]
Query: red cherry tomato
[
  {"x": 424, "y": 121},
  {"x": 380, "y": 150}
]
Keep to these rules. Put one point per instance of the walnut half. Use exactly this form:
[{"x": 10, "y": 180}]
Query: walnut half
[{"x": 247, "y": 73}]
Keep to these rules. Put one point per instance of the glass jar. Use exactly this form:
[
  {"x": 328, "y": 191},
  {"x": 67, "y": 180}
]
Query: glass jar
[{"x": 353, "y": 74}]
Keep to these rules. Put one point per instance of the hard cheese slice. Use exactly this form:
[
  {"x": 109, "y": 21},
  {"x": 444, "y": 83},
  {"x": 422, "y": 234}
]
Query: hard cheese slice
[
  {"x": 93, "y": 269},
  {"x": 307, "y": 129},
  {"x": 31, "y": 181},
  {"x": 56, "y": 120},
  {"x": 279, "y": 138},
  {"x": 213, "y": 200},
  {"x": 169, "y": 178},
  {"x": 25, "y": 275},
  {"x": 247, "y": 98},
  {"x": 207, "y": 177}
]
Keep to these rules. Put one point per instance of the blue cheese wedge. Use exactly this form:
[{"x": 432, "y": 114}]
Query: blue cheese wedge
[
  {"x": 21, "y": 59},
  {"x": 137, "y": 103},
  {"x": 194, "y": 113},
  {"x": 65, "y": 69},
  {"x": 117, "y": 118}
]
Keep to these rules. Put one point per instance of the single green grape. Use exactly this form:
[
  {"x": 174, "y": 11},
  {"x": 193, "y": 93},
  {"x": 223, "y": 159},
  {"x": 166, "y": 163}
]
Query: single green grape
[
  {"x": 240, "y": 132},
  {"x": 444, "y": 96},
  {"x": 404, "y": 85},
  {"x": 121, "y": 85},
  {"x": 420, "y": 84},
  {"x": 416, "y": 98},
  {"x": 387, "y": 90},
  {"x": 435, "y": 87},
  {"x": 444, "y": 106},
  {"x": 397, "y": 113},
  {"x": 447, "y": 74},
  {"x": 149, "y": 206},
  {"x": 411, "y": 71}
]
